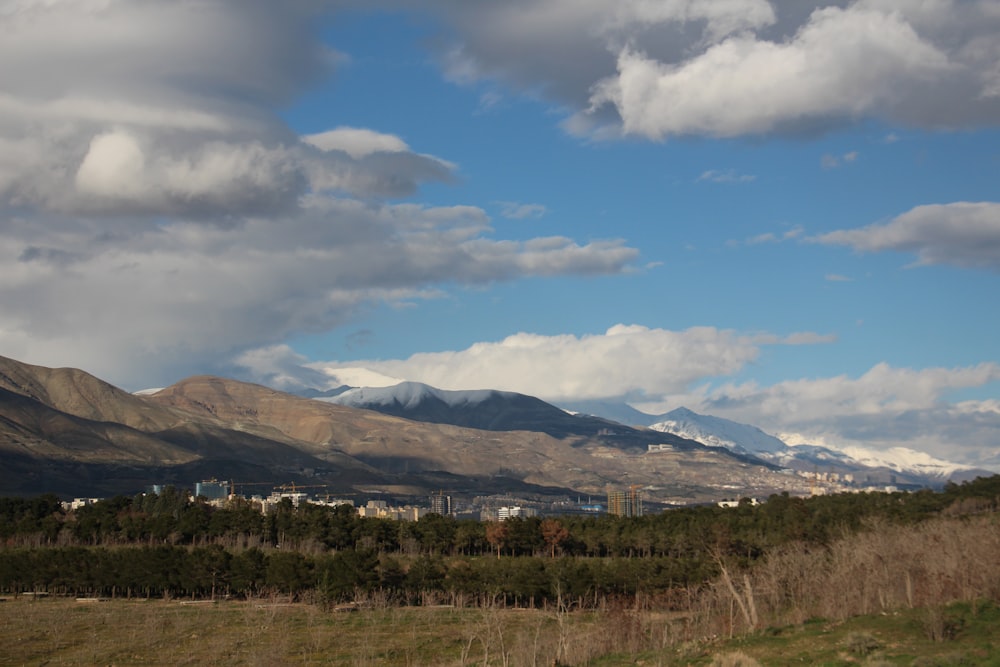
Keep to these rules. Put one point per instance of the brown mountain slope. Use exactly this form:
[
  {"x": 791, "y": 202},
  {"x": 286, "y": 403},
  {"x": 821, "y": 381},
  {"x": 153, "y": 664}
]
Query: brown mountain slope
[
  {"x": 66, "y": 417},
  {"x": 390, "y": 443},
  {"x": 80, "y": 394},
  {"x": 62, "y": 428},
  {"x": 28, "y": 427},
  {"x": 397, "y": 446}
]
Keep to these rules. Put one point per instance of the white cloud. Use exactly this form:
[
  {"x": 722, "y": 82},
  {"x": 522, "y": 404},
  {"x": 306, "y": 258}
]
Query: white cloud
[
  {"x": 883, "y": 408},
  {"x": 704, "y": 67},
  {"x": 771, "y": 237},
  {"x": 517, "y": 211},
  {"x": 965, "y": 234},
  {"x": 158, "y": 216},
  {"x": 630, "y": 360},
  {"x": 119, "y": 175},
  {"x": 882, "y": 389},
  {"x": 726, "y": 176},
  {"x": 830, "y": 161},
  {"x": 657, "y": 370},
  {"x": 489, "y": 101},
  {"x": 137, "y": 300},
  {"x": 109, "y": 96},
  {"x": 280, "y": 367},
  {"x": 356, "y": 141}
]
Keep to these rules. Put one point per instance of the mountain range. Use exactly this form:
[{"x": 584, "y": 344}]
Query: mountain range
[
  {"x": 67, "y": 432},
  {"x": 898, "y": 465},
  {"x": 496, "y": 410}
]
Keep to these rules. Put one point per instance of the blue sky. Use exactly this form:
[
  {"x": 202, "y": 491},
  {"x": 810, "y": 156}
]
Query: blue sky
[{"x": 783, "y": 213}]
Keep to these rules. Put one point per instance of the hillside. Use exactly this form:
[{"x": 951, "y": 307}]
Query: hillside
[
  {"x": 897, "y": 465},
  {"x": 65, "y": 431},
  {"x": 493, "y": 410}
]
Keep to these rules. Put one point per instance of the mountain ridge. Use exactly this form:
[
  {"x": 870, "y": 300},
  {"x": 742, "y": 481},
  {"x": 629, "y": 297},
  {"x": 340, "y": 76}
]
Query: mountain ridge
[
  {"x": 496, "y": 410},
  {"x": 414, "y": 401},
  {"x": 218, "y": 427},
  {"x": 917, "y": 467}
]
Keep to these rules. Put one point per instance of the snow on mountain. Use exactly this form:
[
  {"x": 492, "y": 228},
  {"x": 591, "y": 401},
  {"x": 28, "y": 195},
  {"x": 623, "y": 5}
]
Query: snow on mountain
[
  {"x": 374, "y": 389},
  {"x": 719, "y": 432},
  {"x": 359, "y": 377},
  {"x": 904, "y": 460},
  {"x": 750, "y": 439},
  {"x": 409, "y": 395},
  {"x": 813, "y": 454}
]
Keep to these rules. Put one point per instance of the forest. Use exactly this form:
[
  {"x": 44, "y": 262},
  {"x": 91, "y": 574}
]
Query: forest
[{"x": 172, "y": 545}]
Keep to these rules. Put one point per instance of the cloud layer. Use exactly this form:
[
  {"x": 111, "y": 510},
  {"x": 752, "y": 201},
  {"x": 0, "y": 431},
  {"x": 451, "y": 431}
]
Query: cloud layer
[
  {"x": 704, "y": 67},
  {"x": 158, "y": 216},
  {"x": 965, "y": 234},
  {"x": 657, "y": 370},
  {"x": 883, "y": 408},
  {"x": 625, "y": 360}
]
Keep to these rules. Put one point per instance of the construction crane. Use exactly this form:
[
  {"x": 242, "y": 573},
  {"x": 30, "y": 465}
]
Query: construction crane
[
  {"x": 233, "y": 485},
  {"x": 293, "y": 487}
]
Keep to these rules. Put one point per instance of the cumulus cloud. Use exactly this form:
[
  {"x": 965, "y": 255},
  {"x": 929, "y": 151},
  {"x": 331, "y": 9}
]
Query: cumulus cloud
[
  {"x": 158, "y": 216},
  {"x": 704, "y": 67},
  {"x": 279, "y": 366},
  {"x": 626, "y": 360},
  {"x": 657, "y": 370},
  {"x": 136, "y": 299},
  {"x": 882, "y": 408},
  {"x": 132, "y": 107},
  {"x": 965, "y": 234}
]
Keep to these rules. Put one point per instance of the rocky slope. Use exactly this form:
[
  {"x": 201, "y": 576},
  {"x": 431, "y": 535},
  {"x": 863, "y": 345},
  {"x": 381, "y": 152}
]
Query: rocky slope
[{"x": 65, "y": 431}]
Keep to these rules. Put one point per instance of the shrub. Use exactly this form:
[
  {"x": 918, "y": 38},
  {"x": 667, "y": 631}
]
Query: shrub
[{"x": 862, "y": 643}]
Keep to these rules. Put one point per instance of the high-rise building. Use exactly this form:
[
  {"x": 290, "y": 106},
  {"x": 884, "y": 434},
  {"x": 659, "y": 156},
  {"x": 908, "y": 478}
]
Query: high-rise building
[
  {"x": 212, "y": 489},
  {"x": 515, "y": 511},
  {"x": 441, "y": 504},
  {"x": 625, "y": 503}
]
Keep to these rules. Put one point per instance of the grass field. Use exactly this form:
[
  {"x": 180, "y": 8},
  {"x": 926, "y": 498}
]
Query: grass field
[{"x": 268, "y": 632}]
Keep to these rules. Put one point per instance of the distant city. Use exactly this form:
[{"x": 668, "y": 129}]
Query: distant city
[
  {"x": 219, "y": 493},
  {"x": 374, "y": 504}
]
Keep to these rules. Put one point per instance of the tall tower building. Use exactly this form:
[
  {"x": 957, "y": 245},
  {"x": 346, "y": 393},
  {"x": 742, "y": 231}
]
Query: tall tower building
[
  {"x": 625, "y": 503},
  {"x": 441, "y": 504}
]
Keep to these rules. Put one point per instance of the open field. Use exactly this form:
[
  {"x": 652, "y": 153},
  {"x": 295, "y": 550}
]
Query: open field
[
  {"x": 266, "y": 632},
  {"x": 269, "y": 632}
]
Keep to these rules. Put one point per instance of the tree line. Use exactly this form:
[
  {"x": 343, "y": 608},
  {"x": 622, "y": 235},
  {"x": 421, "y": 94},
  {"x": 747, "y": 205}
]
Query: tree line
[
  {"x": 210, "y": 572},
  {"x": 170, "y": 544}
]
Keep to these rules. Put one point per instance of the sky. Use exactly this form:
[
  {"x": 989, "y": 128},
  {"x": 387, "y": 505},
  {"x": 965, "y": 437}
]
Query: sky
[{"x": 785, "y": 213}]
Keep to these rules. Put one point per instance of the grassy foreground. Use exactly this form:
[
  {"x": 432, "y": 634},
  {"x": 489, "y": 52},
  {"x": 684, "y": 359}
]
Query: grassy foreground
[{"x": 264, "y": 632}]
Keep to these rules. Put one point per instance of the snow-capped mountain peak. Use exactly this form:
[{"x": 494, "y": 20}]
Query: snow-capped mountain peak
[
  {"x": 750, "y": 439},
  {"x": 409, "y": 395},
  {"x": 902, "y": 459},
  {"x": 719, "y": 432}
]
